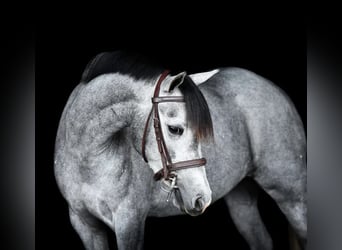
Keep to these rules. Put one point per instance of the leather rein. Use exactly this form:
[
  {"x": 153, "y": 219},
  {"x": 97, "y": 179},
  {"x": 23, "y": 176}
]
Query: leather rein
[{"x": 169, "y": 168}]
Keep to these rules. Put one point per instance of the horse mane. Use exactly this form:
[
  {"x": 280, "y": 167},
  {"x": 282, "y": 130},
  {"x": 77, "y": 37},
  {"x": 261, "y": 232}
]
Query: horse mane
[
  {"x": 123, "y": 62},
  {"x": 197, "y": 110},
  {"x": 141, "y": 68}
]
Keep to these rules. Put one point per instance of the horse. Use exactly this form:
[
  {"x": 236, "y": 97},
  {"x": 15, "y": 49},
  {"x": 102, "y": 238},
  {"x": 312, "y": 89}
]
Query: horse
[{"x": 120, "y": 157}]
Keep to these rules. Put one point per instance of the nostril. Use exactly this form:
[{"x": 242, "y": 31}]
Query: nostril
[{"x": 199, "y": 203}]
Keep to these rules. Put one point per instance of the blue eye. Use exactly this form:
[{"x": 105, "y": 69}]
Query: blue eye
[{"x": 175, "y": 130}]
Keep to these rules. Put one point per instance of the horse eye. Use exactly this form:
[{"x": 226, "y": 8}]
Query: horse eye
[{"x": 176, "y": 130}]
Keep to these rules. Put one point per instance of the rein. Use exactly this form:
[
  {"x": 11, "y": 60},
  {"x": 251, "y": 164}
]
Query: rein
[{"x": 169, "y": 168}]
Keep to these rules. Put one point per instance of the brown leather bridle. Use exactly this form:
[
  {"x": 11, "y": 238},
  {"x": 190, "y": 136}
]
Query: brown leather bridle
[{"x": 167, "y": 172}]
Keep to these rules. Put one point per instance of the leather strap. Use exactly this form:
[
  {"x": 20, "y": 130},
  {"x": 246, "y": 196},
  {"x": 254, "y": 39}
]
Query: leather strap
[
  {"x": 167, "y": 99},
  {"x": 181, "y": 165},
  {"x": 144, "y": 136},
  {"x": 187, "y": 164},
  {"x": 156, "y": 91}
]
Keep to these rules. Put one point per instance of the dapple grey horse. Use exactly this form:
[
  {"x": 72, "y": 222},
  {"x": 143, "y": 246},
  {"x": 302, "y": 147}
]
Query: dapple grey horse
[{"x": 101, "y": 173}]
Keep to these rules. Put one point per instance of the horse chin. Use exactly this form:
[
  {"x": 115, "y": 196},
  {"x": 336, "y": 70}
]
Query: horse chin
[
  {"x": 193, "y": 213},
  {"x": 179, "y": 204},
  {"x": 176, "y": 204},
  {"x": 183, "y": 209}
]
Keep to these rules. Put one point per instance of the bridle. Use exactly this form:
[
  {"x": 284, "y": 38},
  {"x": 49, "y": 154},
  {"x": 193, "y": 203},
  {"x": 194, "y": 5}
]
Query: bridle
[{"x": 169, "y": 168}]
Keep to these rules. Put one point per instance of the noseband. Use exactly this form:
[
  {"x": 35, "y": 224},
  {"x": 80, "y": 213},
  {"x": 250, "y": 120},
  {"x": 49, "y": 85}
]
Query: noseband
[{"x": 167, "y": 172}]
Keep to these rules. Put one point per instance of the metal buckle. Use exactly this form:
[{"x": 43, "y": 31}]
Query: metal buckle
[{"x": 169, "y": 185}]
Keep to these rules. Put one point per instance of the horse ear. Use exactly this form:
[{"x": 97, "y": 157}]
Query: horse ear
[
  {"x": 199, "y": 78},
  {"x": 173, "y": 82}
]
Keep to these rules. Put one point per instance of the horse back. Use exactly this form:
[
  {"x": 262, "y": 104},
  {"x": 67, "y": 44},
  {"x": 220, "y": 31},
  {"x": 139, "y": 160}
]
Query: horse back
[{"x": 265, "y": 113}]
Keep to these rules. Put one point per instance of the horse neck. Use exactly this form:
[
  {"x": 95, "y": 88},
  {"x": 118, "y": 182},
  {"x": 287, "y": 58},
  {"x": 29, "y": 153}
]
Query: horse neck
[
  {"x": 110, "y": 89},
  {"x": 117, "y": 88},
  {"x": 114, "y": 88},
  {"x": 135, "y": 94},
  {"x": 143, "y": 92},
  {"x": 138, "y": 96}
]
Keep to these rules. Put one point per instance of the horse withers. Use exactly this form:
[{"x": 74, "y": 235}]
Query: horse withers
[{"x": 126, "y": 111}]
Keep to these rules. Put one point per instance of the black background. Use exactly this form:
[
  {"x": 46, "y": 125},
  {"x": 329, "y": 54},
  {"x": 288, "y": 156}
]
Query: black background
[{"x": 273, "y": 48}]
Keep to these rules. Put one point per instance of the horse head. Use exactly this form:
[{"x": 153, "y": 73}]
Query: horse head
[{"x": 181, "y": 121}]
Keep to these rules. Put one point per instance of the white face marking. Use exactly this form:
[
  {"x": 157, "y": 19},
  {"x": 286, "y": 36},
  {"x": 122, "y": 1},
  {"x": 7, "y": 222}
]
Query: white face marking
[{"x": 202, "y": 77}]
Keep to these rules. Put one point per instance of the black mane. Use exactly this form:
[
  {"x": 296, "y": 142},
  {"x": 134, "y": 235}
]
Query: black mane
[
  {"x": 197, "y": 110},
  {"x": 139, "y": 67},
  {"x": 126, "y": 63}
]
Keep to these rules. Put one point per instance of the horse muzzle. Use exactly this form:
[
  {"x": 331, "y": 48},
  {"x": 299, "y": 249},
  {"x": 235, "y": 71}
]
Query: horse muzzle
[{"x": 198, "y": 205}]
